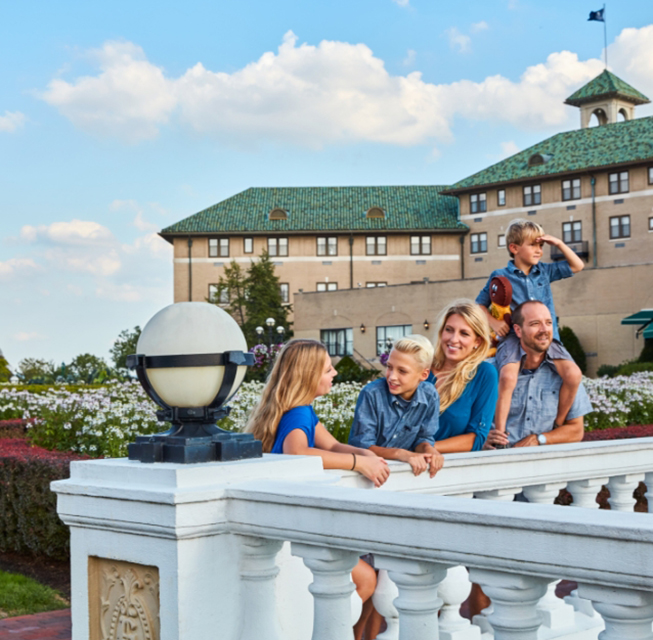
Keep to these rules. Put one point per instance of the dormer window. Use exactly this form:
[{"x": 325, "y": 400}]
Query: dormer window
[
  {"x": 539, "y": 158},
  {"x": 375, "y": 212},
  {"x": 278, "y": 214}
]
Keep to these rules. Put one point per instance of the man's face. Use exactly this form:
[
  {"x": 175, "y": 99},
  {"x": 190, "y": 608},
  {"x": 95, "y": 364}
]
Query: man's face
[{"x": 537, "y": 331}]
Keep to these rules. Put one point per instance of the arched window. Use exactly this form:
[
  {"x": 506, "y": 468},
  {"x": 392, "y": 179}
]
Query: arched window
[
  {"x": 375, "y": 212},
  {"x": 539, "y": 158},
  {"x": 622, "y": 116},
  {"x": 598, "y": 118},
  {"x": 278, "y": 214}
]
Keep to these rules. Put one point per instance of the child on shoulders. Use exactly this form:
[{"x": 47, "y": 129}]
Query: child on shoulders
[
  {"x": 396, "y": 416},
  {"x": 531, "y": 280}
]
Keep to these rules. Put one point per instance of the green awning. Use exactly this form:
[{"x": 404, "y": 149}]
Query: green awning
[{"x": 644, "y": 319}]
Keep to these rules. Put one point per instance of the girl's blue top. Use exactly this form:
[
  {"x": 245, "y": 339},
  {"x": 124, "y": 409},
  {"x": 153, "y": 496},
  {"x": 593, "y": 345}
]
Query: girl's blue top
[
  {"x": 473, "y": 412},
  {"x": 303, "y": 418}
]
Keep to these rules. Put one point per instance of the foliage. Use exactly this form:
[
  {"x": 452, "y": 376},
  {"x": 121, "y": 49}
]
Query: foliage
[
  {"x": 629, "y": 368},
  {"x": 5, "y": 372},
  {"x": 618, "y": 433},
  {"x": 86, "y": 367},
  {"x": 37, "y": 370},
  {"x": 264, "y": 356},
  {"x": 647, "y": 351},
  {"x": 607, "y": 370},
  {"x": 124, "y": 346},
  {"x": 234, "y": 284},
  {"x": 571, "y": 342},
  {"x": 351, "y": 371},
  {"x": 28, "y": 516},
  {"x": 20, "y": 596}
]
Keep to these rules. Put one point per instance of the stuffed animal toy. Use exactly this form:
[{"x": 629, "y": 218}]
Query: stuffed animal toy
[{"x": 501, "y": 297}]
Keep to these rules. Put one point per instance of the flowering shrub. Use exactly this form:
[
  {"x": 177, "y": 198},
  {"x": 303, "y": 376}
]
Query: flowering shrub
[
  {"x": 264, "y": 356},
  {"x": 620, "y": 401}
]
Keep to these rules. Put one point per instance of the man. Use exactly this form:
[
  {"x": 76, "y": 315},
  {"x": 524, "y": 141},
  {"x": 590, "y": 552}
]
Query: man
[{"x": 535, "y": 399}]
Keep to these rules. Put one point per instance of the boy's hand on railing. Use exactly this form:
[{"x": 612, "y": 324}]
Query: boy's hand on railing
[
  {"x": 500, "y": 327},
  {"x": 419, "y": 462},
  {"x": 437, "y": 462},
  {"x": 373, "y": 468}
]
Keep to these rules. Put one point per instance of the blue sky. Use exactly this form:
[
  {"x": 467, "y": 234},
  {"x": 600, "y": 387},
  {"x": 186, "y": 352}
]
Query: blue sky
[{"x": 118, "y": 119}]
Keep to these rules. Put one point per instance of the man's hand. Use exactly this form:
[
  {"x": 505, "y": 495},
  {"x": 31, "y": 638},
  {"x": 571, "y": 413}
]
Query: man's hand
[
  {"x": 496, "y": 438},
  {"x": 500, "y": 327},
  {"x": 528, "y": 441}
]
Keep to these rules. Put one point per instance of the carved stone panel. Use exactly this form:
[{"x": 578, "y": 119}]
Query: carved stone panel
[{"x": 123, "y": 600}]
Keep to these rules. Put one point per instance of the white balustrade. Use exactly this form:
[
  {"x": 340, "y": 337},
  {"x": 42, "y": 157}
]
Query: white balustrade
[
  {"x": 454, "y": 590},
  {"x": 383, "y": 599},
  {"x": 585, "y": 492},
  {"x": 649, "y": 491},
  {"x": 622, "y": 489}
]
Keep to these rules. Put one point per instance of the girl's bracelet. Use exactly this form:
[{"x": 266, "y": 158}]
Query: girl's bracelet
[{"x": 354, "y": 465}]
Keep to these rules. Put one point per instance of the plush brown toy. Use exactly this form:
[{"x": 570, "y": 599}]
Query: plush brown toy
[{"x": 501, "y": 297}]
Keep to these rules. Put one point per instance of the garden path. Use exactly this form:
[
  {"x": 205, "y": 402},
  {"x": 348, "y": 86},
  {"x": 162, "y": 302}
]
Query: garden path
[{"x": 52, "y": 625}]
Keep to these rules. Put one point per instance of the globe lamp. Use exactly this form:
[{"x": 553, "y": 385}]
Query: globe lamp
[{"x": 191, "y": 358}]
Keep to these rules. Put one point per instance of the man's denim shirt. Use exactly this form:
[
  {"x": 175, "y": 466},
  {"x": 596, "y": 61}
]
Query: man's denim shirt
[
  {"x": 534, "y": 403},
  {"x": 386, "y": 420},
  {"x": 534, "y": 286}
]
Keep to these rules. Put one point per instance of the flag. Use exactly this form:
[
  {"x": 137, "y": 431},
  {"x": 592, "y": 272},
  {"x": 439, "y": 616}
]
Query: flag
[{"x": 597, "y": 15}]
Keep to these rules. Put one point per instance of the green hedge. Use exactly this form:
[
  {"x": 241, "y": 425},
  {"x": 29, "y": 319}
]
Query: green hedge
[{"x": 28, "y": 516}]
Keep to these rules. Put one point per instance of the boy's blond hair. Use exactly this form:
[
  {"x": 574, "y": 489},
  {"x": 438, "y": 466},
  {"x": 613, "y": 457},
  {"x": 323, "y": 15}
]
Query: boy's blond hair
[
  {"x": 519, "y": 231},
  {"x": 419, "y": 347}
]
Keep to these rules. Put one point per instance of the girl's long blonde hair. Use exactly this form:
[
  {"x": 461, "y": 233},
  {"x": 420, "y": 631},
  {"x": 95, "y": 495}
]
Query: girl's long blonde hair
[
  {"x": 456, "y": 379},
  {"x": 292, "y": 383}
]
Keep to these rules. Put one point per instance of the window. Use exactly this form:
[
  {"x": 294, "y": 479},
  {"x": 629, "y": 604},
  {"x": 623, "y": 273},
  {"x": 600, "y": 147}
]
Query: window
[
  {"x": 389, "y": 334},
  {"x": 215, "y": 295},
  {"x": 420, "y": 245},
  {"x": 339, "y": 342},
  {"x": 618, "y": 182},
  {"x": 375, "y": 212},
  {"x": 477, "y": 203},
  {"x": 371, "y": 285},
  {"x": 650, "y": 224},
  {"x": 650, "y": 175},
  {"x": 248, "y": 245},
  {"x": 326, "y": 286},
  {"x": 278, "y": 246},
  {"x": 619, "y": 227},
  {"x": 532, "y": 195},
  {"x": 284, "y": 290},
  {"x": 501, "y": 241},
  {"x": 572, "y": 231},
  {"x": 327, "y": 246},
  {"x": 375, "y": 245},
  {"x": 571, "y": 189},
  {"x": 501, "y": 198},
  {"x": 479, "y": 242},
  {"x": 278, "y": 214},
  {"x": 218, "y": 247}
]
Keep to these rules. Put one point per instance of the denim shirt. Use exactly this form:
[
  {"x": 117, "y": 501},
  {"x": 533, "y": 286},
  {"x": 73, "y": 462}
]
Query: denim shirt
[
  {"x": 534, "y": 286},
  {"x": 386, "y": 420},
  {"x": 534, "y": 403}
]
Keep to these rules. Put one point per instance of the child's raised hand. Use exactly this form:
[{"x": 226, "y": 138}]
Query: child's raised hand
[
  {"x": 500, "y": 327},
  {"x": 373, "y": 468},
  {"x": 547, "y": 239}
]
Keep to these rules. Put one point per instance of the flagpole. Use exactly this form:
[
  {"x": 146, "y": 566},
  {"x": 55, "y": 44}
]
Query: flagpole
[{"x": 605, "y": 38}]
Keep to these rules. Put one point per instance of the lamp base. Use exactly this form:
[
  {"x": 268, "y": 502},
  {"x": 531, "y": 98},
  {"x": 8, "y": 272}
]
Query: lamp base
[{"x": 191, "y": 443}]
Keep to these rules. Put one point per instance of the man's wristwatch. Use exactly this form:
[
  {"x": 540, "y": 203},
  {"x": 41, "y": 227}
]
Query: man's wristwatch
[{"x": 541, "y": 439}]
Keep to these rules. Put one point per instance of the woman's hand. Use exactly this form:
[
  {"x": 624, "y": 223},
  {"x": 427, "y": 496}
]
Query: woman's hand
[{"x": 373, "y": 468}]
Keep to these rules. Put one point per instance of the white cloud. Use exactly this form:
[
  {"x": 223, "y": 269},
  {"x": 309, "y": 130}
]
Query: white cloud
[
  {"x": 509, "y": 148},
  {"x": 402, "y": 3},
  {"x": 119, "y": 293},
  {"x": 479, "y": 26},
  {"x": 25, "y": 336},
  {"x": 75, "y": 232},
  {"x": 11, "y": 121},
  {"x": 409, "y": 60},
  {"x": 459, "y": 41},
  {"x": 330, "y": 93},
  {"x": 16, "y": 268}
]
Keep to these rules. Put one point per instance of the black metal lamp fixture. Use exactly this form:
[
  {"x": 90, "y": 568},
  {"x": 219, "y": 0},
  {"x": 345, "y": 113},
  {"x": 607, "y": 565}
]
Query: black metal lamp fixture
[
  {"x": 192, "y": 388},
  {"x": 362, "y": 328},
  {"x": 426, "y": 324}
]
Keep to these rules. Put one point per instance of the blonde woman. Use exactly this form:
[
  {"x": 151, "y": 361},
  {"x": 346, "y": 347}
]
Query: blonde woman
[{"x": 468, "y": 386}]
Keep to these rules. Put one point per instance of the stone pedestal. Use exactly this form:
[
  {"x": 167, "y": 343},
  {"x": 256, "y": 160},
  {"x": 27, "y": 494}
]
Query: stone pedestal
[{"x": 151, "y": 558}]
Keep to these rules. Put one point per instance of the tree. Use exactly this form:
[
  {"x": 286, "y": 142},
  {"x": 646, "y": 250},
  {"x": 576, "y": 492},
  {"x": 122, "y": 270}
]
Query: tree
[
  {"x": 124, "y": 346},
  {"x": 86, "y": 367},
  {"x": 571, "y": 342},
  {"x": 37, "y": 370},
  {"x": 233, "y": 288},
  {"x": 264, "y": 299},
  {"x": 5, "y": 371}
]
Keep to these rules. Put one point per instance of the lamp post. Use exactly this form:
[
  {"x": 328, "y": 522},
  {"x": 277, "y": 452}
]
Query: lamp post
[
  {"x": 270, "y": 322},
  {"x": 191, "y": 358}
]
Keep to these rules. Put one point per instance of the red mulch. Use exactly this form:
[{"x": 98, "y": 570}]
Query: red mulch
[
  {"x": 618, "y": 433},
  {"x": 52, "y": 625}
]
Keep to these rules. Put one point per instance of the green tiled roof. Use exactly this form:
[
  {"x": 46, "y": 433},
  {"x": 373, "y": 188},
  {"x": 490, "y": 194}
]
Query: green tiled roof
[
  {"x": 326, "y": 209},
  {"x": 606, "y": 85},
  {"x": 571, "y": 151}
]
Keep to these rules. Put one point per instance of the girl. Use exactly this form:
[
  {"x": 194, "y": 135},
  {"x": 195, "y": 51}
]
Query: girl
[{"x": 285, "y": 422}]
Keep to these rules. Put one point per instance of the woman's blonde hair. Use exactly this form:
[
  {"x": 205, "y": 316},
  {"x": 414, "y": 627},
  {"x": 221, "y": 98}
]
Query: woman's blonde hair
[
  {"x": 456, "y": 379},
  {"x": 292, "y": 383},
  {"x": 417, "y": 346}
]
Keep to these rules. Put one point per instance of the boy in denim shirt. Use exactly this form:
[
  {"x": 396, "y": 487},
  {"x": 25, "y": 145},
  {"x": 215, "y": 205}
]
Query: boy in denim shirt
[
  {"x": 531, "y": 280},
  {"x": 397, "y": 416}
]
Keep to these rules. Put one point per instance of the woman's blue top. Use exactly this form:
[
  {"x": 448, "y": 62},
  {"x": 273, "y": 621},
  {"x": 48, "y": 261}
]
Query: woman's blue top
[
  {"x": 303, "y": 418},
  {"x": 473, "y": 412}
]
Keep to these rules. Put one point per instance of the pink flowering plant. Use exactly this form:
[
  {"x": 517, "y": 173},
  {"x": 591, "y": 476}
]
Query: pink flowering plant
[{"x": 264, "y": 357}]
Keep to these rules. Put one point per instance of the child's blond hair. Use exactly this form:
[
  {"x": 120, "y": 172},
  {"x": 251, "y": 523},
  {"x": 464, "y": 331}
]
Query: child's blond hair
[
  {"x": 519, "y": 231},
  {"x": 417, "y": 346}
]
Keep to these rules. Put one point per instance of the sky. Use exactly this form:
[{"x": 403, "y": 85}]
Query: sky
[{"x": 118, "y": 119}]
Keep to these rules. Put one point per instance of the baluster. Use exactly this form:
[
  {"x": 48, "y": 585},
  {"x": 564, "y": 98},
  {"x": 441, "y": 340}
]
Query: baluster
[
  {"x": 544, "y": 493},
  {"x": 628, "y": 614},
  {"x": 622, "y": 489},
  {"x": 418, "y": 602},
  {"x": 506, "y": 495},
  {"x": 581, "y": 605},
  {"x": 584, "y": 492},
  {"x": 258, "y": 571},
  {"x": 514, "y": 598},
  {"x": 649, "y": 491},
  {"x": 383, "y": 599},
  {"x": 454, "y": 590},
  {"x": 331, "y": 588}
]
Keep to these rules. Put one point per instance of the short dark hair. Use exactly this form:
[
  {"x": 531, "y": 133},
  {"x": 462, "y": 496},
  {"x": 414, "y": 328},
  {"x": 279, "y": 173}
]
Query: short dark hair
[{"x": 518, "y": 314}]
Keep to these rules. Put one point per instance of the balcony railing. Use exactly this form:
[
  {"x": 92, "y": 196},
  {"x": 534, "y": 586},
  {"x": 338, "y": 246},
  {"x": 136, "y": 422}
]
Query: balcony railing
[{"x": 581, "y": 249}]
